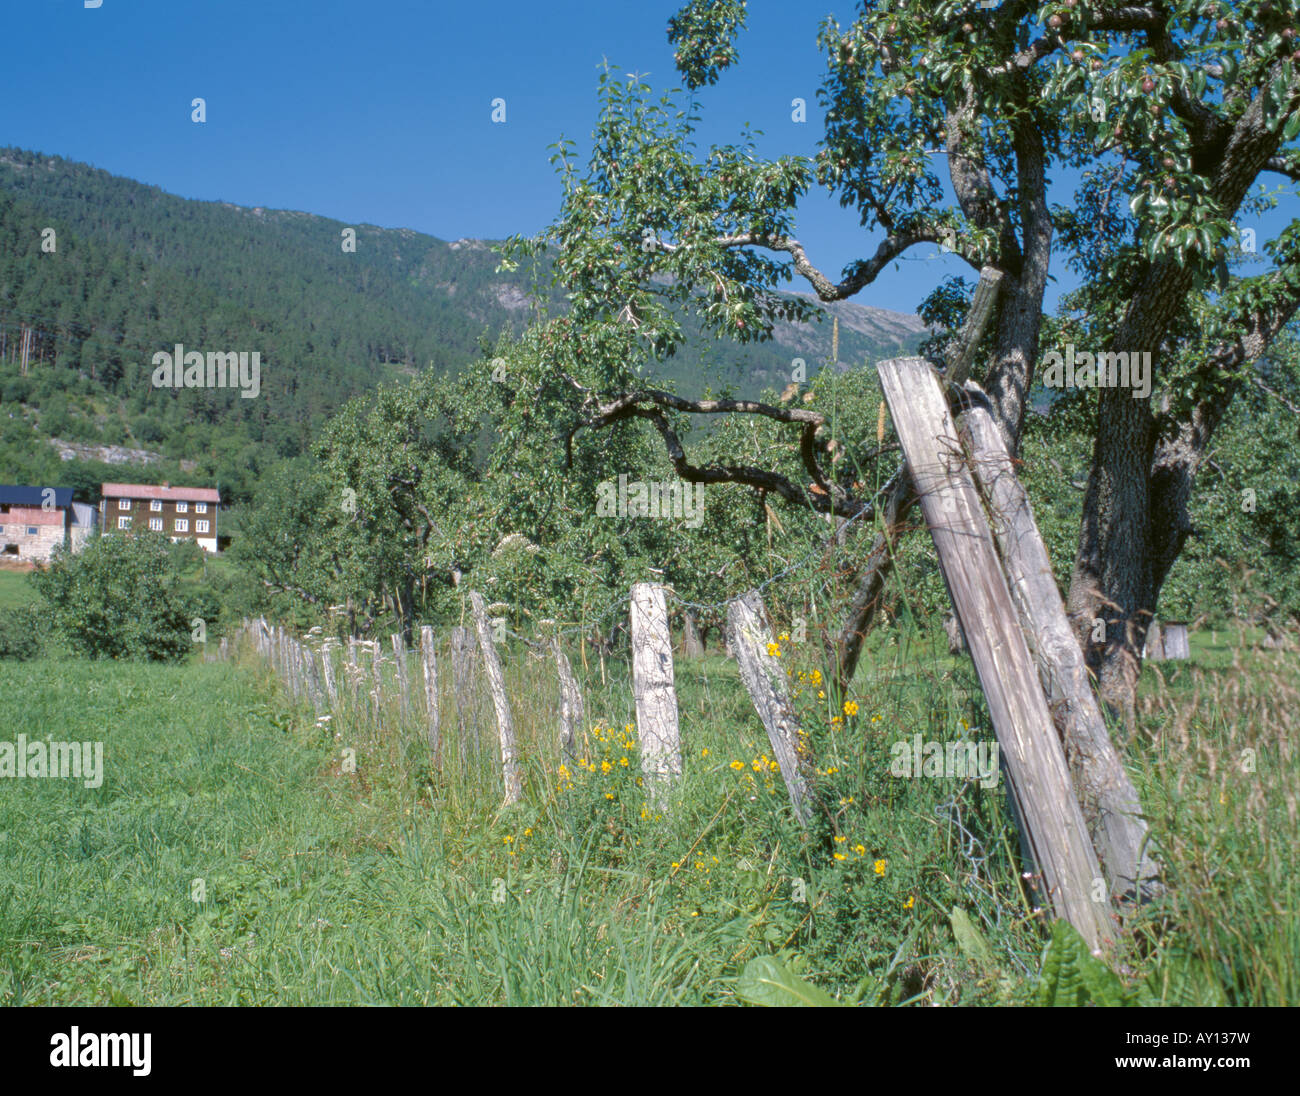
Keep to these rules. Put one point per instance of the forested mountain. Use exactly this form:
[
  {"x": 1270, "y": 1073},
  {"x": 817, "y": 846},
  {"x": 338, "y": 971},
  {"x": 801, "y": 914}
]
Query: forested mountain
[{"x": 130, "y": 270}]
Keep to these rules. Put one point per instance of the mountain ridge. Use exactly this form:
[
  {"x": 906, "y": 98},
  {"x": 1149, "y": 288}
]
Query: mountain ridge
[{"x": 136, "y": 270}]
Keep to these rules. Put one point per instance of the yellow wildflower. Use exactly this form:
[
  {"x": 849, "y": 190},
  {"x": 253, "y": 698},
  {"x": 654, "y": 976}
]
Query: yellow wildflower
[
  {"x": 850, "y": 707},
  {"x": 737, "y": 765},
  {"x": 879, "y": 867}
]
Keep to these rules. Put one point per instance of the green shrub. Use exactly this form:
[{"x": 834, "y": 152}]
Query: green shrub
[
  {"x": 120, "y": 597},
  {"x": 20, "y": 631}
]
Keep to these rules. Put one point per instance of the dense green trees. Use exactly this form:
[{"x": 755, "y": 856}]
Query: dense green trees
[
  {"x": 1170, "y": 113},
  {"x": 136, "y": 271}
]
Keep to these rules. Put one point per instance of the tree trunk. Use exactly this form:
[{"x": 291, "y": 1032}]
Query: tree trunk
[{"x": 1134, "y": 510}]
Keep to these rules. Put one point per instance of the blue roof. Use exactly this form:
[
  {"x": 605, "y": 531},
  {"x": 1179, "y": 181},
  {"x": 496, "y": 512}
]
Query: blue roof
[{"x": 16, "y": 495}]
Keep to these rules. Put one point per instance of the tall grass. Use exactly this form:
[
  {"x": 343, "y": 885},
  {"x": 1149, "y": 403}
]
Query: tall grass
[{"x": 407, "y": 882}]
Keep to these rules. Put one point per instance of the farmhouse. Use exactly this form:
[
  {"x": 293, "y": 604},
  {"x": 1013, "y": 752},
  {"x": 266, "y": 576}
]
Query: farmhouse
[
  {"x": 36, "y": 520},
  {"x": 181, "y": 513}
]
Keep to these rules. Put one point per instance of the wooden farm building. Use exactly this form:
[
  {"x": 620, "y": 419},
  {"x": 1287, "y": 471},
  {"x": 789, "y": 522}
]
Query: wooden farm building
[{"x": 181, "y": 513}]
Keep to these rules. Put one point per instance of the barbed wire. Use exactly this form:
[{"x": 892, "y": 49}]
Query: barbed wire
[{"x": 619, "y": 603}]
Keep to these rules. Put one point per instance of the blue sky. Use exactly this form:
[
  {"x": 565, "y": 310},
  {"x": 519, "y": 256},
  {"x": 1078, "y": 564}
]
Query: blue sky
[{"x": 380, "y": 111}]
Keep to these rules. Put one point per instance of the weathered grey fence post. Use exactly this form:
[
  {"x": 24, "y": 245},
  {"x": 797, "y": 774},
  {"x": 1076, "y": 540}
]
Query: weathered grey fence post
[
  {"x": 691, "y": 645},
  {"x": 312, "y": 676},
  {"x": 327, "y": 670},
  {"x": 765, "y": 681},
  {"x": 1038, "y": 774},
  {"x": 429, "y": 661},
  {"x": 377, "y": 675},
  {"x": 571, "y": 711},
  {"x": 403, "y": 681},
  {"x": 293, "y": 660},
  {"x": 353, "y": 671},
  {"x": 462, "y": 673},
  {"x": 510, "y": 773},
  {"x": 656, "y": 697},
  {"x": 1106, "y": 794}
]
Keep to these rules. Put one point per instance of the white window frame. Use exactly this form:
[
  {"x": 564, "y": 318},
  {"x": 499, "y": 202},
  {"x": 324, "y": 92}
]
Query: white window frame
[
  {"x": 124, "y": 504},
  {"x": 200, "y": 507},
  {"x": 155, "y": 524},
  {"x": 155, "y": 505},
  {"x": 182, "y": 525},
  {"x": 124, "y": 523},
  {"x": 200, "y": 526},
  {"x": 182, "y": 507},
  {"x": 32, "y": 531}
]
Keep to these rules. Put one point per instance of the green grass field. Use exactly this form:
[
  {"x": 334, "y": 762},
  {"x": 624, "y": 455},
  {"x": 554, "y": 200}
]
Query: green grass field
[
  {"x": 16, "y": 589},
  {"x": 230, "y": 857}
]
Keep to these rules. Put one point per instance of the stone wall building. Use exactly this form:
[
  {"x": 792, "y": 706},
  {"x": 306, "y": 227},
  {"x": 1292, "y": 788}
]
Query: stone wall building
[{"x": 36, "y": 520}]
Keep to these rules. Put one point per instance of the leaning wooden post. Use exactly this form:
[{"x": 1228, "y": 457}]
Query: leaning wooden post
[
  {"x": 766, "y": 682},
  {"x": 429, "y": 662},
  {"x": 656, "y": 697},
  {"x": 1106, "y": 794},
  {"x": 510, "y": 773},
  {"x": 571, "y": 711},
  {"x": 1038, "y": 775}
]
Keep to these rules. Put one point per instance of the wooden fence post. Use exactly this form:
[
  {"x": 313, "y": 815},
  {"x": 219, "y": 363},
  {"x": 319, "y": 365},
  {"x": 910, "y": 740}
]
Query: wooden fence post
[
  {"x": 1038, "y": 775},
  {"x": 511, "y": 776},
  {"x": 377, "y": 675},
  {"x": 652, "y": 683},
  {"x": 462, "y": 673},
  {"x": 691, "y": 645},
  {"x": 429, "y": 661},
  {"x": 353, "y": 671},
  {"x": 571, "y": 711},
  {"x": 765, "y": 681},
  {"x": 403, "y": 681},
  {"x": 1106, "y": 794},
  {"x": 327, "y": 670}
]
